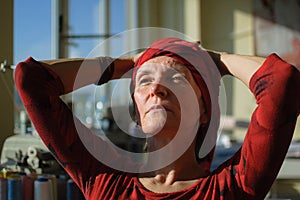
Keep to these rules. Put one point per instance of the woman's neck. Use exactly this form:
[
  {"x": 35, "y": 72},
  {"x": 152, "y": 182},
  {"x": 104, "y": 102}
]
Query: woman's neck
[
  {"x": 179, "y": 175},
  {"x": 184, "y": 168}
]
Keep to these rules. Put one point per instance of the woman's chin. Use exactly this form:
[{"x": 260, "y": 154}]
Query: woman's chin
[
  {"x": 153, "y": 123},
  {"x": 160, "y": 130},
  {"x": 152, "y": 130}
]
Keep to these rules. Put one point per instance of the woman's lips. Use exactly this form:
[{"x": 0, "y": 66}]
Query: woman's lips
[{"x": 158, "y": 108}]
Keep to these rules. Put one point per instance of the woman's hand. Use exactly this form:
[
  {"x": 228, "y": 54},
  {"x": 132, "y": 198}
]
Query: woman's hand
[
  {"x": 137, "y": 56},
  {"x": 123, "y": 65},
  {"x": 239, "y": 66},
  {"x": 216, "y": 56}
]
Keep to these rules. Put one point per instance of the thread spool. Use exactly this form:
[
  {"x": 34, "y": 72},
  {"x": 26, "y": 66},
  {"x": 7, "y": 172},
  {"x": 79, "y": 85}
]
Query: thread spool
[
  {"x": 31, "y": 152},
  {"x": 43, "y": 189},
  {"x": 73, "y": 192},
  {"x": 53, "y": 181},
  {"x": 28, "y": 186},
  {"x": 6, "y": 174},
  {"x": 61, "y": 187},
  {"x": 3, "y": 188},
  {"x": 14, "y": 188}
]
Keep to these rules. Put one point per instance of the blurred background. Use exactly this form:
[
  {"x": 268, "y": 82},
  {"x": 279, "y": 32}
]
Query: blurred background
[{"x": 72, "y": 28}]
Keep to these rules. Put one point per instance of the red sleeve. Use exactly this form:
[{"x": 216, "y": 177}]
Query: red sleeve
[
  {"x": 40, "y": 91},
  {"x": 276, "y": 88}
]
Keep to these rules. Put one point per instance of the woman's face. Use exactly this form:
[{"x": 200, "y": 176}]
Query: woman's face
[{"x": 163, "y": 97}]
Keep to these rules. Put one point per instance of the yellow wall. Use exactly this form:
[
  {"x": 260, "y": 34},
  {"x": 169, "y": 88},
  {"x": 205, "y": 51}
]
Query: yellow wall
[
  {"x": 6, "y": 79},
  {"x": 228, "y": 26},
  {"x": 160, "y": 13}
]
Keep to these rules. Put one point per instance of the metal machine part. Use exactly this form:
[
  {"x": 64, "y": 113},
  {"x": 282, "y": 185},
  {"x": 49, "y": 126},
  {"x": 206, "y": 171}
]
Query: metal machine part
[{"x": 28, "y": 153}]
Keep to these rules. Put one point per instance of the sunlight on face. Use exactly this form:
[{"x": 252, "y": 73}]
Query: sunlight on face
[{"x": 161, "y": 83}]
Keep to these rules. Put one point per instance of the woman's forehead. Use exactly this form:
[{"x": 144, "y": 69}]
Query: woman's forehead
[{"x": 162, "y": 62}]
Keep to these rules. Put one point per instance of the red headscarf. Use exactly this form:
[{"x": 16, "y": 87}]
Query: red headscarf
[{"x": 204, "y": 72}]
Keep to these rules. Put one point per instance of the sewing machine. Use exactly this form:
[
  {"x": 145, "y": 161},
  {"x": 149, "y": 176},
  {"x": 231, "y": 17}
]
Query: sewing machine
[{"x": 28, "y": 153}]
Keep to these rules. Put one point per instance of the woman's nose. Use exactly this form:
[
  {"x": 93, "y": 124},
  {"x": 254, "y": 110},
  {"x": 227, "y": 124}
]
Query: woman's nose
[{"x": 159, "y": 90}]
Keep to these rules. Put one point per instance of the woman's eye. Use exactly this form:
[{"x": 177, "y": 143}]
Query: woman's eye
[
  {"x": 144, "y": 81},
  {"x": 178, "y": 79}
]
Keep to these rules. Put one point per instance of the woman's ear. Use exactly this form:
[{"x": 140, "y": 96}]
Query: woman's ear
[
  {"x": 203, "y": 118},
  {"x": 135, "y": 115},
  {"x": 203, "y": 113}
]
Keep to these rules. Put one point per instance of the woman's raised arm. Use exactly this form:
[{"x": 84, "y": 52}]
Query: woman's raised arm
[
  {"x": 68, "y": 68},
  {"x": 240, "y": 66}
]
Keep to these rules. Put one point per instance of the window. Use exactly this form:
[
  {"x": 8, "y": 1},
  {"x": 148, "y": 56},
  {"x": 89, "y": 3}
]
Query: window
[{"x": 88, "y": 24}]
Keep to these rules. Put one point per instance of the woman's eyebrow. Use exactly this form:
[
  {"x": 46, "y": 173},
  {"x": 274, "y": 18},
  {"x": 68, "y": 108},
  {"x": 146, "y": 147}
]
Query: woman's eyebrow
[
  {"x": 144, "y": 71},
  {"x": 180, "y": 69}
]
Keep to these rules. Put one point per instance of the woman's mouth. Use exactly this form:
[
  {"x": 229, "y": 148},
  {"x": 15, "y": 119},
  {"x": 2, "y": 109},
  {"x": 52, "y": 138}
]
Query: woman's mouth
[
  {"x": 159, "y": 108},
  {"x": 156, "y": 108}
]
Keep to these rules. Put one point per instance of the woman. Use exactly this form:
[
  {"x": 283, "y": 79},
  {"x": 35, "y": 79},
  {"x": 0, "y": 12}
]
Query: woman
[{"x": 168, "y": 70}]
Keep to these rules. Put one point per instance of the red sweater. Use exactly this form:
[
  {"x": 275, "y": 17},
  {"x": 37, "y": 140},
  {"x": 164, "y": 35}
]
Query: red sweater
[{"x": 249, "y": 174}]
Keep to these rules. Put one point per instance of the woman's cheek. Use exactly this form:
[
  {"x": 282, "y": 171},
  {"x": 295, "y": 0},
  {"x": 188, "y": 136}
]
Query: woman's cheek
[{"x": 140, "y": 103}]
